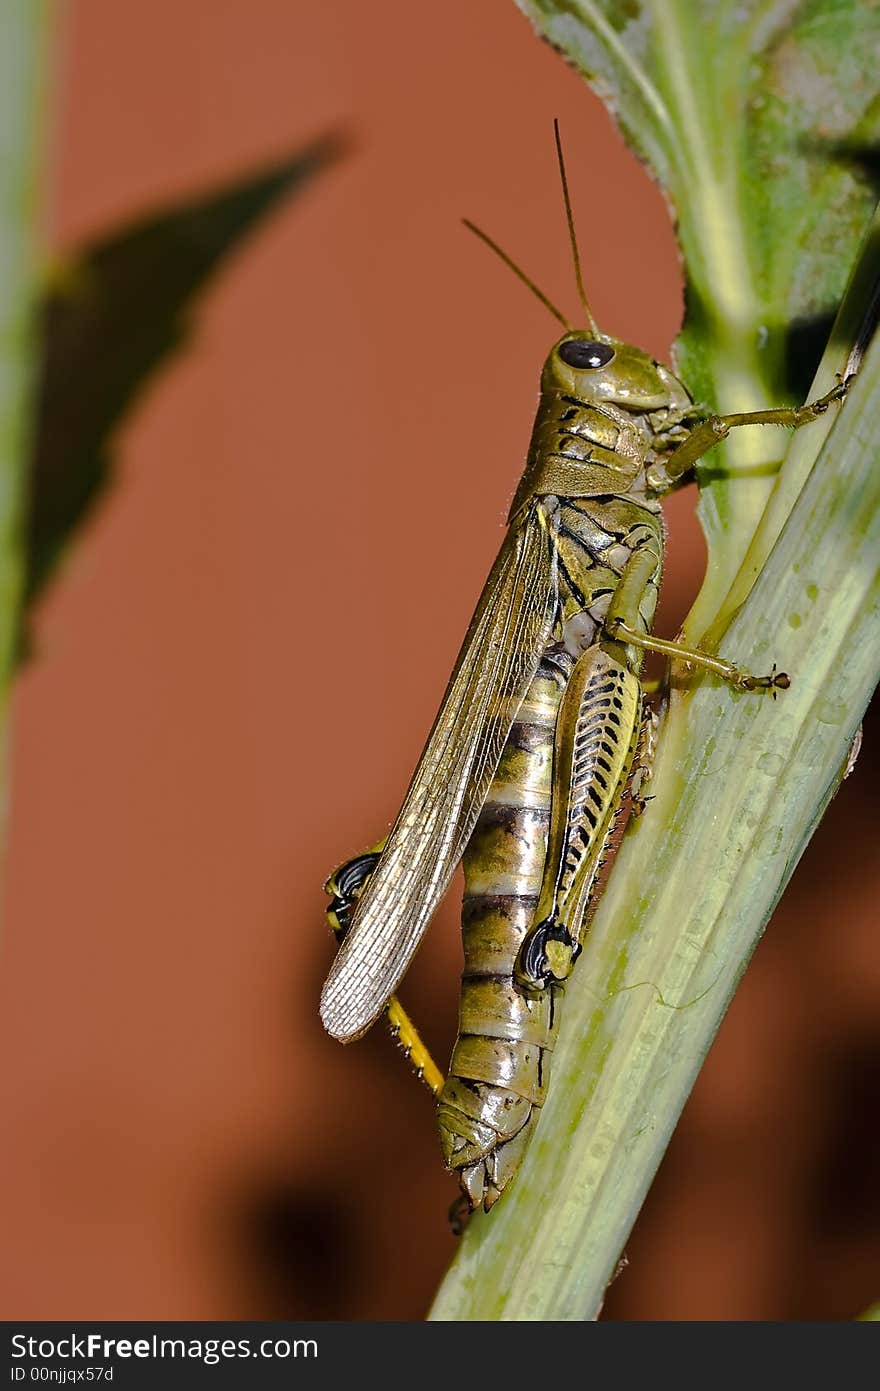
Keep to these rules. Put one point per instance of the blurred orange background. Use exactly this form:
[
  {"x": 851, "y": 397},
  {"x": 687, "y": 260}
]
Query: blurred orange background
[{"x": 237, "y": 668}]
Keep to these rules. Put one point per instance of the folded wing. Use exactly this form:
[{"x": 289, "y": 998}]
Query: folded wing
[{"x": 499, "y": 657}]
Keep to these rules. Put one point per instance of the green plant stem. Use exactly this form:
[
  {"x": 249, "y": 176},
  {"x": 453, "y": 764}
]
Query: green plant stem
[
  {"x": 741, "y": 782},
  {"x": 713, "y": 229},
  {"x": 23, "y": 44}
]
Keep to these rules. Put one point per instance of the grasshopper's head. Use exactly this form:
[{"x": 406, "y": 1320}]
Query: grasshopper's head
[
  {"x": 586, "y": 363},
  {"x": 595, "y": 367}
]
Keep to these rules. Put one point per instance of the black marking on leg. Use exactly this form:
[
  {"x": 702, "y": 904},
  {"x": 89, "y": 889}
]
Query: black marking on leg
[
  {"x": 775, "y": 681},
  {"x": 534, "y": 967},
  {"x": 348, "y": 882}
]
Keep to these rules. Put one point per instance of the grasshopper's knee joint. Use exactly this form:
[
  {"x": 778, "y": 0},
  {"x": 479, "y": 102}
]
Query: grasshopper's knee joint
[
  {"x": 345, "y": 886},
  {"x": 547, "y": 956}
]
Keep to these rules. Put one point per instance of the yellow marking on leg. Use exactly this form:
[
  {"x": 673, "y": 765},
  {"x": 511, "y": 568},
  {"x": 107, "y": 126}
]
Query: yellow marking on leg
[{"x": 410, "y": 1041}]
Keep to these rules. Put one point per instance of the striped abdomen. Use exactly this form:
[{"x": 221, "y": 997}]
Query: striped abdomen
[
  {"x": 530, "y": 871},
  {"x": 499, "y": 1069}
]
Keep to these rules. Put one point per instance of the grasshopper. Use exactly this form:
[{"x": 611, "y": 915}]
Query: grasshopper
[{"x": 536, "y": 742}]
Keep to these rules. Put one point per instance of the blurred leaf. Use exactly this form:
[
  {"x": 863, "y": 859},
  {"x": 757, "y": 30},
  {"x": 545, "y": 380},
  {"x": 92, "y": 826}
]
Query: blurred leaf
[
  {"x": 871, "y": 1315},
  {"x": 761, "y": 121},
  {"x": 113, "y": 315},
  {"x": 25, "y": 46}
]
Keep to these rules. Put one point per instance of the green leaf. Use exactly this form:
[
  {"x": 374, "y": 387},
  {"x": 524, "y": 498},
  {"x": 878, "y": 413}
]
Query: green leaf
[
  {"x": 759, "y": 119},
  {"x": 119, "y": 308}
]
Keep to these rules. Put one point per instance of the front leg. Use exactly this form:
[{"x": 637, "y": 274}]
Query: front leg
[{"x": 679, "y": 466}]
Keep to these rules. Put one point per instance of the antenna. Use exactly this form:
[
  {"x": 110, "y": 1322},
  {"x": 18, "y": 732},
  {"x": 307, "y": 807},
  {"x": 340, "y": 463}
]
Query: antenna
[
  {"x": 571, "y": 232},
  {"x": 508, "y": 261}
]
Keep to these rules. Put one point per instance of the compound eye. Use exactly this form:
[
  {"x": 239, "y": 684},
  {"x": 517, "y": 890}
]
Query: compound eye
[{"x": 585, "y": 352}]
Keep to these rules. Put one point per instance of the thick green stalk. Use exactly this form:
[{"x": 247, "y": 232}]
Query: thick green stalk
[
  {"x": 715, "y": 245},
  {"x": 741, "y": 782},
  {"x": 23, "y": 25}
]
